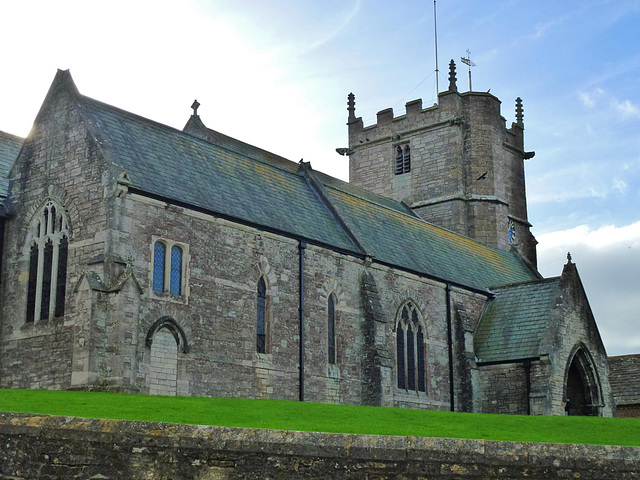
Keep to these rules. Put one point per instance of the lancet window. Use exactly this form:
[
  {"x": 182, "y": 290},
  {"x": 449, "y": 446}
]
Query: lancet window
[
  {"x": 331, "y": 328},
  {"x": 410, "y": 350},
  {"x": 261, "y": 317},
  {"x": 48, "y": 253}
]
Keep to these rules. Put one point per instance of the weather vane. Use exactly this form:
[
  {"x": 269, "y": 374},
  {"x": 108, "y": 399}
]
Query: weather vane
[{"x": 467, "y": 61}]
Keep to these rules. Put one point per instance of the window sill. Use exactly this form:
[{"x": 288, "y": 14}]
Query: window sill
[{"x": 168, "y": 297}]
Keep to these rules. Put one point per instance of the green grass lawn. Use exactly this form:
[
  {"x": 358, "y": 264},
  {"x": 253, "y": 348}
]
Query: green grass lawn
[{"x": 318, "y": 417}]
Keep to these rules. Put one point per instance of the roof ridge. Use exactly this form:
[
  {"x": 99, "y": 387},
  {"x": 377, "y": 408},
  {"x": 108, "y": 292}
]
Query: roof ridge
[
  {"x": 12, "y": 136},
  {"x": 136, "y": 116},
  {"x": 527, "y": 282}
]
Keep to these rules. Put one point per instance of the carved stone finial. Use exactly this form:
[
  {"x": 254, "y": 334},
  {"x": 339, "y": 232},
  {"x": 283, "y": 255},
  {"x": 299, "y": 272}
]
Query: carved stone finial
[
  {"x": 519, "y": 112},
  {"x": 351, "y": 107},
  {"x": 568, "y": 257},
  {"x": 453, "y": 87},
  {"x": 195, "y": 106}
]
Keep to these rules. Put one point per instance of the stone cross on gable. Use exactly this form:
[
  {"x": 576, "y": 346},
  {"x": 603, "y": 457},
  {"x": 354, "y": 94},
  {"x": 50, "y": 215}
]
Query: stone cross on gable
[{"x": 195, "y": 106}]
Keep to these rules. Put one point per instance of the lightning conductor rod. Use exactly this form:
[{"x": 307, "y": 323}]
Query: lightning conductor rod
[{"x": 435, "y": 33}]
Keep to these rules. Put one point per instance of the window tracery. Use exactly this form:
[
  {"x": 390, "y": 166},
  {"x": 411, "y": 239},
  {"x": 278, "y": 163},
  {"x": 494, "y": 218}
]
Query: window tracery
[
  {"x": 48, "y": 256},
  {"x": 410, "y": 350}
]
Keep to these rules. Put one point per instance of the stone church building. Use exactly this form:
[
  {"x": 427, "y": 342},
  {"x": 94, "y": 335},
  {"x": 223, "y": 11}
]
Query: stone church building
[{"x": 141, "y": 258}]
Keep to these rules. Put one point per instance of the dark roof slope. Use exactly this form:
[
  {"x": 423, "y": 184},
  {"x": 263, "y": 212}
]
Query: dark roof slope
[
  {"x": 171, "y": 164},
  {"x": 624, "y": 377},
  {"x": 10, "y": 146},
  {"x": 210, "y": 171},
  {"x": 514, "y": 322}
]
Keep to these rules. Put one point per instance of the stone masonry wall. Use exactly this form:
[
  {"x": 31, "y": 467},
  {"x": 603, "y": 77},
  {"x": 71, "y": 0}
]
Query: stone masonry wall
[
  {"x": 37, "y": 447},
  {"x": 52, "y": 165},
  {"x": 467, "y": 168}
]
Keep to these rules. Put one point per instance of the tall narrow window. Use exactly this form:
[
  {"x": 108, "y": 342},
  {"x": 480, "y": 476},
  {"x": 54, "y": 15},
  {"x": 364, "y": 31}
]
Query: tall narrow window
[
  {"x": 261, "y": 321},
  {"x": 175, "y": 287},
  {"x": 33, "y": 283},
  {"x": 400, "y": 355},
  {"x": 332, "y": 330},
  {"x": 159, "y": 252},
  {"x": 61, "y": 284},
  {"x": 46, "y": 280},
  {"x": 410, "y": 350},
  {"x": 399, "y": 162},
  {"x": 403, "y": 160},
  {"x": 48, "y": 256},
  {"x": 406, "y": 164}
]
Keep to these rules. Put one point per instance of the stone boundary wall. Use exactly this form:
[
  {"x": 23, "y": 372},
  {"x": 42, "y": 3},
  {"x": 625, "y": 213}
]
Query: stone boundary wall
[{"x": 48, "y": 447}]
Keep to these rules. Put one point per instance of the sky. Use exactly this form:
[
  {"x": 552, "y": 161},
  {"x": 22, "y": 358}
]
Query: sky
[{"x": 277, "y": 73}]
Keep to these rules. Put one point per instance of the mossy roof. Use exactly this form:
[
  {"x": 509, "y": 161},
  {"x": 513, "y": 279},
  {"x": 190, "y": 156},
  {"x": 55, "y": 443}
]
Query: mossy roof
[
  {"x": 515, "y": 321},
  {"x": 216, "y": 173}
]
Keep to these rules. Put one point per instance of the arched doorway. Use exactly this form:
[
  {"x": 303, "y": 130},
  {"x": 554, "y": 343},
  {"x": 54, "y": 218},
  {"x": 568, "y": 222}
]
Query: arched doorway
[
  {"x": 166, "y": 342},
  {"x": 582, "y": 391}
]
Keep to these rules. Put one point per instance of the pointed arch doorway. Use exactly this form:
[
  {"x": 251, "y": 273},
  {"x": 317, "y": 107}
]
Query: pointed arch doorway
[{"x": 582, "y": 390}]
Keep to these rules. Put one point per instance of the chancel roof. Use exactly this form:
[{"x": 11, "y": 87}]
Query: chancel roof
[
  {"x": 515, "y": 320},
  {"x": 203, "y": 169},
  {"x": 624, "y": 377}
]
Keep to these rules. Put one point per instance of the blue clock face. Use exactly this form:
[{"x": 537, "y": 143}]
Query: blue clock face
[{"x": 512, "y": 232}]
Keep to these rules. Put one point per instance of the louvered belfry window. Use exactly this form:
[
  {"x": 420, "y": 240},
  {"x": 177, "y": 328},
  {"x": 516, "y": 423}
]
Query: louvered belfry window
[
  {"x": 403, "y": 160},
  {"x": 410, "y": 350},
  {"x": 48, "y": 255}
]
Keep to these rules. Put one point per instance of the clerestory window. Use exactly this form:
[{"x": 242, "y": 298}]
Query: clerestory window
[
  {"x": 410, "y": 350},
  {"x": 48, "y": 253}
]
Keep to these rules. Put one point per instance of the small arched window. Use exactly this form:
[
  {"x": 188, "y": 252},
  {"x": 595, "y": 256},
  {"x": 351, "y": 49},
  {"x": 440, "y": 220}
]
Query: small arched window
[
  {"x": 48, "y": 256},
  {"x": 331, "y": 328},
  {"x": 168, "y": 272},
  {"x": 410, "y": 350},
  {"x": 261, "y": 318}
]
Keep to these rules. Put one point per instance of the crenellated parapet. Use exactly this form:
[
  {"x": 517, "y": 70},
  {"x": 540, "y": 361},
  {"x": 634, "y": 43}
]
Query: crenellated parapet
[{"x": 454, "y": 163}]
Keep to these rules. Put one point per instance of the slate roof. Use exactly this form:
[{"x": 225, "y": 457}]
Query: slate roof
[
  {"x": 10, "y": 146},
  {"x": 624, "y": 377},
  {"x": 216, "y": 173},
  {"x": 514, "y": 322}
]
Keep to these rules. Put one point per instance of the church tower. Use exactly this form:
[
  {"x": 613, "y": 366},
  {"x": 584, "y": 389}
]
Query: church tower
[{"x": 455, "y": 164}]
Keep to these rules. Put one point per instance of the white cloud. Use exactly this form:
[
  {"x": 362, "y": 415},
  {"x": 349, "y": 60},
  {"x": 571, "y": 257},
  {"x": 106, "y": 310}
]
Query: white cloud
[
  {"x": 608, "y": 259},
  {"x": 626, "y": 108}
]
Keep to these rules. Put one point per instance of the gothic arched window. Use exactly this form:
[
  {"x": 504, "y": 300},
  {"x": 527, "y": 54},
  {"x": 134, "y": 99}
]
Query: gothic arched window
[
  {"x": 331, "y": 328},
  {"x": 410, "y": 350},
  {"x": 48, "y": 254},
  {"x": 261, "y": 318}
]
